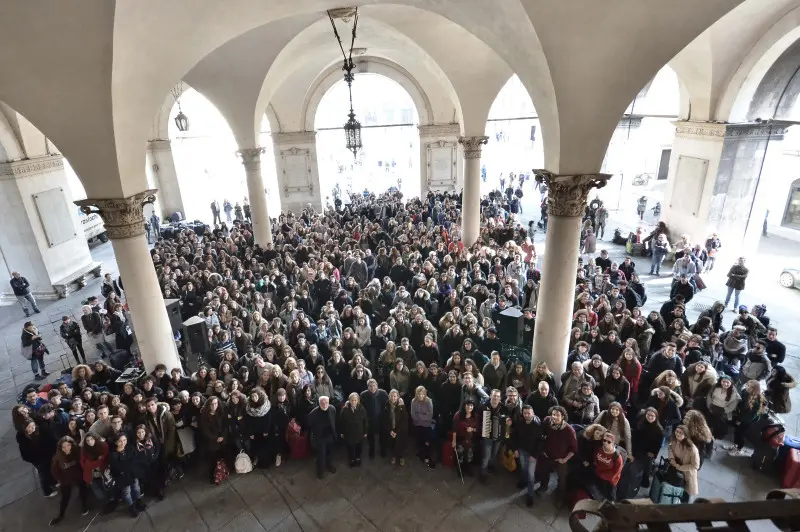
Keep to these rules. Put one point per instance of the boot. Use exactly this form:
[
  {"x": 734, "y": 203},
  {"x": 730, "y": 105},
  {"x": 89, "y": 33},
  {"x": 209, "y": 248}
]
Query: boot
[
  {"x": 140, "y": 505},
  {"x": 133, "y": 511}
]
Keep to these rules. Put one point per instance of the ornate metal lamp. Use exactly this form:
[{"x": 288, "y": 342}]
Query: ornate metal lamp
[
  {"x": 181, "y": 120},
  {"x": 352, "y": 128}
]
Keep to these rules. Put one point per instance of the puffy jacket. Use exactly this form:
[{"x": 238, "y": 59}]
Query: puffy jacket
[{"x": 89, "y": 464}]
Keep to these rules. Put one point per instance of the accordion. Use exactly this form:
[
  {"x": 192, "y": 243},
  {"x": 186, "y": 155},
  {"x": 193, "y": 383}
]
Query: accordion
[{"x": 494, "y": 427}]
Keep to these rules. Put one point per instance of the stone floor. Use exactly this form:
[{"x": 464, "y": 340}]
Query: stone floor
[{"x": 377, "y": 496}]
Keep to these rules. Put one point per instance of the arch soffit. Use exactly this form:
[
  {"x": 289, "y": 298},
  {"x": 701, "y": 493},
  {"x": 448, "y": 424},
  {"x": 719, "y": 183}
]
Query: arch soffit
[
  {"x": 9, "y": 142},
  {"x": 372, "y": 65},
  {"x": 739, "y": 92}
]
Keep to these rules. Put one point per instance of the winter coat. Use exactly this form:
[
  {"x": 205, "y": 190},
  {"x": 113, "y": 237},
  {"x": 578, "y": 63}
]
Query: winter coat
[
  {"x": 145, "y": 454},
  {"x": 621, "y": 429},
  {"x": 668, "y": 414},
  {"x": 588, "y": 409},
  {"x": 648, "y": 437},
  {"x": 477, "y": 394},
  {"x": 696, "y": 390},
  {"x": 728, "y": 405},
  {"x": 400, "y": 422},
  {"x": 162, "y": 427},
  {"x": 124, "y": 466},
  {"x": 778, "y": 392},
  {"x": 422, "y": 412},
  {"x": 353, "y": 423},
  {"x": 212, "y": 427},
  {"x": 660, "y": 363},
  {"x": 495, "y": 378},
  {"x": 541, "y": 405},
  {"x": 756, "y": 366},
  {"x": 736, "y": 277},
  {"x": 89, "y": 464},
  {"x": 38, "y": 450},
  {"x": 258, "y": 416},
  {"x": 689, "y": 463}
]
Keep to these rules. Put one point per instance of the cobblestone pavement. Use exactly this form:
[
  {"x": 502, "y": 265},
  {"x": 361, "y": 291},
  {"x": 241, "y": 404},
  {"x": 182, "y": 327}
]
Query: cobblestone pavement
[{"x": 376, "y": 496}]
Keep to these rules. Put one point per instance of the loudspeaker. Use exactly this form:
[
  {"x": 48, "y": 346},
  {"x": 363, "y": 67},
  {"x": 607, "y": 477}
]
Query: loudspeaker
[
  {"x": 174, "y": 313},
  {"x": 511, "y": 326},
  {"x": 196, "y": 334},
  {"x": 120, "y": 359}
]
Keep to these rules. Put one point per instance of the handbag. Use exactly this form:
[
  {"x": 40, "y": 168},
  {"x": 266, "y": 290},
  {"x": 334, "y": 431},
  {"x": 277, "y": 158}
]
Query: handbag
[
  {"x": 509, "y": 462},
  {"x": 670, "y": 473}
]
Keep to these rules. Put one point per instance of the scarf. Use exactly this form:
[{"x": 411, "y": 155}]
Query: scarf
[{"x": 258, "y": 411}]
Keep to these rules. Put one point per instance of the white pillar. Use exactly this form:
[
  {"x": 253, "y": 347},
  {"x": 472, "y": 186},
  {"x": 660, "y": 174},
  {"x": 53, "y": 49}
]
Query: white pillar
[
  {"x": 251, "y": 158},
  {"x": 566, "y": 202},
  {"x": 298, "y": 170},
  {"x": 124, "y": 221},
  {"x": 165, "y": 177},
  {"x": 471, "y": 199},
  {"x": 442, "y": 165}
]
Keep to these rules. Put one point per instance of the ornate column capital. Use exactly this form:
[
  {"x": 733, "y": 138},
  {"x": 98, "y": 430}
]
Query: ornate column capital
[
  {"x": 123, "y": 217},
  {"x": 251, "y": 158},
  {"x": 567, "y": 194},
  {"x": 472, "y": 146}
]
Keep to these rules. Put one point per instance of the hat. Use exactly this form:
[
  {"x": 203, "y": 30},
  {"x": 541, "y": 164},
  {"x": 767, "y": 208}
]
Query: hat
[
  {"x": 722, "y": 377},
  {"x": 742, "y": 308}
]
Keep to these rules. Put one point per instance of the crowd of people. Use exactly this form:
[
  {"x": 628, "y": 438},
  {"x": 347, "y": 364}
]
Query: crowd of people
[{"x": 373, "y": 326}]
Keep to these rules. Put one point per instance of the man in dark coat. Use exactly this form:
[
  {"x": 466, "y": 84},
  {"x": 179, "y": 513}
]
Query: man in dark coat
[
  {"x": 373, "y": 399},
  {"x": 322, "y": 424}
]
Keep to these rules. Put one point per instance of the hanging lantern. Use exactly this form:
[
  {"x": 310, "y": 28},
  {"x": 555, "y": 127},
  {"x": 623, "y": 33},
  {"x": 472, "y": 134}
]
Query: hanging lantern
[
  {"x": 181, "y": 121},
  {"x": 352, "y": 133}
]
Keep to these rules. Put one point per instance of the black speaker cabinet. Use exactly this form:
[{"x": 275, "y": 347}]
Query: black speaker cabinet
[
  {"x": 196, "y": 334},
  {"x": 510, "y": 326},
  {"x": 174, "y": 313}
]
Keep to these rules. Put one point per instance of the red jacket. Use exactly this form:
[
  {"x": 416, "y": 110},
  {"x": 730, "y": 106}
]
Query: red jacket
[
  {"x": 88, "y": 464},
  {"x": 608, "y": 466}
]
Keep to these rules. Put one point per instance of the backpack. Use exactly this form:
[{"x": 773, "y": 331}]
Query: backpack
[
  {"x": 242, "y": 465},
  {"x": 221, "y": 472}
]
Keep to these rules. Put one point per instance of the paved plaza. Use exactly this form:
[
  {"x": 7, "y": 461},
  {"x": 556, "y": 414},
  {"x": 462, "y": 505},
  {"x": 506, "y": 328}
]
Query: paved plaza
[{"x": 376, "y": 496}]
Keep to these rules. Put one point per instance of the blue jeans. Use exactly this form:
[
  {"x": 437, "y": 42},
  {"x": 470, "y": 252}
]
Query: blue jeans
[
  {"x": 490, "y": 449},
  {"x": 99, "y": 490},
  {"x": 732, "y": 290},
  {"x": 526, "y": 467},
  {"x": 131, "y": 493},
  {"x": 658, "y": 259},
  {"x": 24, "y": 300},
  {"x": 37, "y": 366}
]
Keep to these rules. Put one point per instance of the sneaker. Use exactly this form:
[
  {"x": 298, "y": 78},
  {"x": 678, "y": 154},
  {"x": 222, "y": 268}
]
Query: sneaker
[
  {"x": 529, "y": 500},
  {"x": 735, "y": 452},
  {"x": 358, "y": 462},
  {"x": 85, "y": 512},
  {"x": 52, "y": 494},
  {"x": 37, "y": 377},
  {"x": 140, "y": 505},
  {"x": 541, "y": 489},
  {"x": 729, "y": 446},
  {"x": 37, "y": 311},
  {"x": 331, "y": 469},
  {"x": 402, "y": 462},
  {"x": 278, "y": 461},
  {"x": 46, "y": 373},
  {"x": 54, "y": 521},
  {"x": 133, "y": 511}
]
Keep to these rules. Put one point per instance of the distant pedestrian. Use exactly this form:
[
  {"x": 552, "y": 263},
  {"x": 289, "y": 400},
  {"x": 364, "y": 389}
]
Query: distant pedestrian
[
  {"x": 641, "y": 206},
  {"x": 155, "y": 226},
  {"x": 22, "y": 289},
  {"x": 215, "y": 212}
]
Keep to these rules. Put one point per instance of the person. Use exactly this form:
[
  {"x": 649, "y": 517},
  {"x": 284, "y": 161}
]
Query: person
[
  {"x": 373, "y": 399},
  {"x": 641, "y": 206},
  {"x": 737, "y": 276},
  {"x": 422, "y": 419},
  {"x": 660, "y": 250},
  {"x": 526, "y": 440},
  {"x": 560, "y": 445},
  {"x": 228, "y": 208},
  {"x": 66, "y": 470},
  {"x": 211, "y": 425},
  {"x": 93, "y": 325},
  {"x": 684, "y": 456},
  {"x": 160, "y": 424},
  {"x": 22, "y": 291},
  {"x": 215, "y": 212},
  {"x": 155, "y": 225},
  {"x": 353, "y": 427},
  {"x": 95, "y": 465},
  {"x": 606, "y": 470},
  {"x": 122, "y": 460},
  {"x": 247, "y": 211},
  {"x": 34, "y": 349},
  {"x": 71, "y": 332},
  {"x": 500, "y": 422},
  {"x": 394, "y": 422},
  {"x": 600, "y": 220},
  {"x": 648, "y": 437},
  {"x": 38, "y": 447},
  {"x": 322, "y": 426}
]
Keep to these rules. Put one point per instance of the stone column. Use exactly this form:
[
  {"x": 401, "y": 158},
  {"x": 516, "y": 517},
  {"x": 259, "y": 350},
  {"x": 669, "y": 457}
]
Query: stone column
[
  {"x": 124, "y": 221},
  {"x": 565, "y": 205},
  {"x": 442, "y": 166},
  {"x": 251, "y": 158},
  {"x": 298, "y": 171},
  {"x": 471, "y": 200},
  {"x": 165, "y": 177}
]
